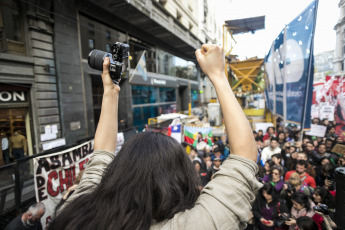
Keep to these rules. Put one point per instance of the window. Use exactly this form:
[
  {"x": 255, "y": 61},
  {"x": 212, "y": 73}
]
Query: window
[
  {"x": 108, "y": 34},
  {"x": 11, "y": 31},
  {"x": 91, "y": 44},
  {"x": 143, "y": 94},
  {"x": 91, "y": 28},
  {"x": 108, "y": 48},
  {"x": 167, "y": 94},
  {"x": 142, "y": 114}
]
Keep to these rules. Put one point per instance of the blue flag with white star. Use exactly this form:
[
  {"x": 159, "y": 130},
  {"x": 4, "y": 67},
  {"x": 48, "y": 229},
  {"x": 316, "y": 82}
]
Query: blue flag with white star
[{"x": 290, "y": 69}]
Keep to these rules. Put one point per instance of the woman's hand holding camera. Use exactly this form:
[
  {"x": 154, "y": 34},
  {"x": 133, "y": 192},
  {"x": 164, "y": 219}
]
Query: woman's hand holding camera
[
  {"x": 291, "y": 221},
  {"x": 108, "y": 84}
]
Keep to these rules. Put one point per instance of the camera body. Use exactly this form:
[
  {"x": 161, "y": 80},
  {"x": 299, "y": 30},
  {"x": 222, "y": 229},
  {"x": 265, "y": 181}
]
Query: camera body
[
  {"x": 322, "y": 208},
  {"x": 290, "y": 189},
  {"x": 118, "y": 56}
]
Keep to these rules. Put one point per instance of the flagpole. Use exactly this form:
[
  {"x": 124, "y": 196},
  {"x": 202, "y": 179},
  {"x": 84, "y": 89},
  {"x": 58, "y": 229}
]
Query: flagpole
[
  {"x": 309, "y": 70},
  {"x": 135, "y": 70},
  {"x": 284, "y": 80}
]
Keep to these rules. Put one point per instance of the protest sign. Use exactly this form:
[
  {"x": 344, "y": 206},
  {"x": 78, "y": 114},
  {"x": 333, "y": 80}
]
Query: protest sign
[
  {"x": 338, "y": 148},
  {"x": 315, "y": 111},
  {"x": 327, "y": 112},
  {"x": 262, "y": 126},
  {"x": 55, "y": 173},
  {"x": 317, "y": 131}
]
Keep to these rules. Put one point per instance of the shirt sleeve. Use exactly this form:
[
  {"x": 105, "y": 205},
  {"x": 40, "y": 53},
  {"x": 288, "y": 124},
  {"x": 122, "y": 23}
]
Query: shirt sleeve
[
  {"x": 225, "y": 202},
  {"x": 92, "y": 175}
]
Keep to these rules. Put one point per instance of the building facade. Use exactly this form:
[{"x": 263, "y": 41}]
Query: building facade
[
  {"x": 50, "y": 94},
  {"x": 323, "y": 65},
  {"x": 339, "y": 52}
]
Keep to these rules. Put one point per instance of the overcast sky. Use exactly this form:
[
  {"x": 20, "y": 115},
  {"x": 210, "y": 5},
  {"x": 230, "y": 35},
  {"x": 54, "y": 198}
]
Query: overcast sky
[{"x": 278, "y": 13}]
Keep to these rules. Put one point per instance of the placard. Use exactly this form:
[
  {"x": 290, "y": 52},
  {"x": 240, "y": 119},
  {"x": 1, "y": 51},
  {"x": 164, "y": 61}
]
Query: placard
[
  {"x": 317, "y": 131},
  {"x": 327, "y": 111},
  {"x": 338, "y": 148}
]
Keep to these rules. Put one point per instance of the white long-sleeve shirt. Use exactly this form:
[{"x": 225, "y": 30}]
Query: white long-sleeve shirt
[{"x": 267, "y": 153}]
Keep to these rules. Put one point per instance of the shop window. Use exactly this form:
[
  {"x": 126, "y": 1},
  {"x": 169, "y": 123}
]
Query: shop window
[
  {"x": 167, "y": 94},
  {"x": 142, "y": 114},
  {"x": 11, "y": 30},
  {"x": 143, "y": 94}
]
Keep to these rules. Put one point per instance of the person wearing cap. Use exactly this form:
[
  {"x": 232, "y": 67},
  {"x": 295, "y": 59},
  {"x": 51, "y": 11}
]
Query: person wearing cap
[
  {"x": 217, "y": 154},
  {"x": 217, "y": 161}
]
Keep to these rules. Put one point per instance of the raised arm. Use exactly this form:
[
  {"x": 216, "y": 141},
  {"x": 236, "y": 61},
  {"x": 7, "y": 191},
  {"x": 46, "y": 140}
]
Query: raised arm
[
  {"x": 240, "y": 134},
  {"x": 106, "y": 133}
]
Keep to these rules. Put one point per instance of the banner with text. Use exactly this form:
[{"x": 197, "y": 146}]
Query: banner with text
[
  {"x": 55, "y": 173},
  {"x": 290, "y": 63}
]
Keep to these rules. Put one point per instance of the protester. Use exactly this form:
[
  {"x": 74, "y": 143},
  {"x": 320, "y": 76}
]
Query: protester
[
  {"x": 313, "y": 156},
  {"x": 260, "y": 136},
  {"x": 277, "y": 159},
  {"x": 325, "y": 177},
  {"x": 281, "y": 139},
  {"x": 267, "y": 208},
  {"x": 294, "y": 184},
  {"x": 275, "y": 178},
  {"x": 202, "y": 141},
  {"x": 310, "y": 168},
  {"x": 301, "y": 167},
  {"x": 193, "y": 155},
  {"x": 269, "y": 134},
  {"x": 152, "y": 184},
  {"x": 302, "y": 206},
  {"x": 306, "y": 223},
  {"x": 30, "y": 220},
  {"x": 268, "y": 151},
  {"x": 217, "y": 161}
]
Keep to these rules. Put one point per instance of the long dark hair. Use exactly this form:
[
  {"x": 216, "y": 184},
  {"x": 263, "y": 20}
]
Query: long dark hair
[
  {"x": 302, "y": 199},
  {"x": 269, "y": 188},
  {"x": 306, "y": 223},
  {"x": 151, "y": 178},
  {"x": 326, "y": 196}
]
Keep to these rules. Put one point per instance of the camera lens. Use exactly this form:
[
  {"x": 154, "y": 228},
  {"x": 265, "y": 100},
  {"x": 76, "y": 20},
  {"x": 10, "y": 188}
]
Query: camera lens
[{"x": 96, "y": 58}]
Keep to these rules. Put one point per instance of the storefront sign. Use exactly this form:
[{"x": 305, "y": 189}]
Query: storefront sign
[
  {"x": 155, "y": 81},
  {"x": 12, "y": 96}
]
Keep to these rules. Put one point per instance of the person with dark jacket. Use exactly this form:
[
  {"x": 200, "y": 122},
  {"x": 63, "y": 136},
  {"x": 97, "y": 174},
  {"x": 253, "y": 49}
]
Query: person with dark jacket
[
  {"x": 267, "y": 208},
  {"x": 29, "y": 220}
]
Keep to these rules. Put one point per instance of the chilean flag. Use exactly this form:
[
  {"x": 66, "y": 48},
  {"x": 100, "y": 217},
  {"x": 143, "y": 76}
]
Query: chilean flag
[{"x": 174, "y": 131}]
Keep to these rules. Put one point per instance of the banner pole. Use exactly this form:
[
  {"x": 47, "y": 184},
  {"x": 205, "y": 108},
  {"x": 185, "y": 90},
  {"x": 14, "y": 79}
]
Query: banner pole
[
  {"x": 309, "y": 70},
  {"x": 284, "y": 80}
]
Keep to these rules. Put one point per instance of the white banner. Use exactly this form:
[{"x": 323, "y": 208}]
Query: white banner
[
  {"x": 317, "y": 131},
  {"x": 327, "y": 111},
  {"x": 262, "y": 126},
  {"x": 55, "y": 173}
]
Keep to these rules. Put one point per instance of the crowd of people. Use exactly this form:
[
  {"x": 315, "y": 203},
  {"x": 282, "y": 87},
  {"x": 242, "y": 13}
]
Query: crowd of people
[
  {"x": 298, "y": 176},
  {"x": 248, "y": 180}
]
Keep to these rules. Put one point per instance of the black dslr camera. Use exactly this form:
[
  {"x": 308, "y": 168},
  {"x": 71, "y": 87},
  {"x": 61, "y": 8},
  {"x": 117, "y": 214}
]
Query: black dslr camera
[
  {"x": 322, "y": 208},
  {"x": 290, "y": 189},
  {"x": 118, "y": 57}
]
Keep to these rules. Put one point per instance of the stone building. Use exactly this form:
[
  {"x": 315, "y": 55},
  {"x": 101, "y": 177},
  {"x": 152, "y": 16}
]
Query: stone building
[{"x": 339, "y": 52}]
